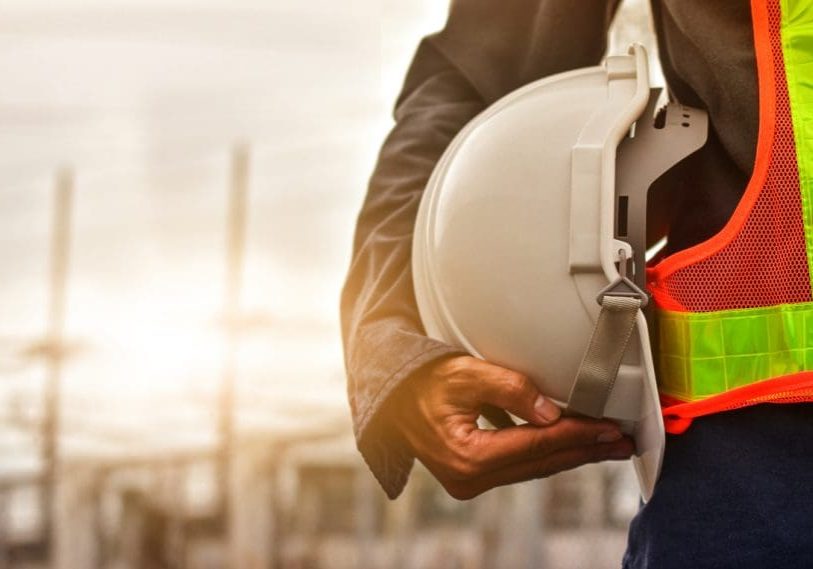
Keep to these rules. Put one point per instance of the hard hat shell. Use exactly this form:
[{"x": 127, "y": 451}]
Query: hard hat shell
[{"x": 516, "y": 235}]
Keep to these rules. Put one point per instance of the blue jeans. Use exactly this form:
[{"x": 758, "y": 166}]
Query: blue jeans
[{"x": 736, "y": 491}]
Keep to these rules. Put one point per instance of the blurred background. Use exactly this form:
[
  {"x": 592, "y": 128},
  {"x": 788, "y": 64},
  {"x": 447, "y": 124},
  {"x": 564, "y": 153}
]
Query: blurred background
[{"x": 179, "y": 181}]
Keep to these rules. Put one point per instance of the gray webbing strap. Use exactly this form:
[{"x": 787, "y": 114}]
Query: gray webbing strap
[{"x": 601, "y": 361}]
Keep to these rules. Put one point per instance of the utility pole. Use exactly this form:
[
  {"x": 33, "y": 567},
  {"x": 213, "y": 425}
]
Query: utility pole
[
  {"x": 54, "y": 349},
  {"x": 235, "y": 257}
]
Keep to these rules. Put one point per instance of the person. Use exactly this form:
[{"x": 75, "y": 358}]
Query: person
[{"x": 735, "y": 487}]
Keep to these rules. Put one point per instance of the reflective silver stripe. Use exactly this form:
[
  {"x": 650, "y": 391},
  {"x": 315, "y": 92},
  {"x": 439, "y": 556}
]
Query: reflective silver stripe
[{"x": 599, "y": 367}]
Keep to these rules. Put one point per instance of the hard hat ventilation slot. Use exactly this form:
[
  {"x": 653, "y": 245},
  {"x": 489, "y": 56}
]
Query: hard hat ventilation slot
[
  {"x": 622, "y": 216},
  {"x": 660, "y": 118}
]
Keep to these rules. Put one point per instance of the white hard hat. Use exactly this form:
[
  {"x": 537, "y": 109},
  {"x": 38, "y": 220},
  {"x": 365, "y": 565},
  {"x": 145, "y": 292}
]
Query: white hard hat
[{"x": 531, "y": 215}]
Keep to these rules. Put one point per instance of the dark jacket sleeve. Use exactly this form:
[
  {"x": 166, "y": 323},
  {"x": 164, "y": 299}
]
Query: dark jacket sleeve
[{"x": 487, "y": 49}]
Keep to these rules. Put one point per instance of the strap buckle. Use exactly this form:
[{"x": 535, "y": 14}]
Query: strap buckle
[{"x": 623, "y": 286}]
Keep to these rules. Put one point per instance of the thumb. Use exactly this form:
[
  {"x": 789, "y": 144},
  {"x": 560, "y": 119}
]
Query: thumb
[{"x": 516, "y": 393}]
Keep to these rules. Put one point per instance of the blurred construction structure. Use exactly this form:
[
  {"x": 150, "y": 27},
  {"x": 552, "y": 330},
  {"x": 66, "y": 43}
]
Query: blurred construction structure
[
  {"x": 269, "y": 496},
  {"x": 178, "y": 186}
]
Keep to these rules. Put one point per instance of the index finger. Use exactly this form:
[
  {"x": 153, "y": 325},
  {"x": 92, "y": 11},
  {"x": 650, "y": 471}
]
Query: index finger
[{"x": 515, "y": 392}]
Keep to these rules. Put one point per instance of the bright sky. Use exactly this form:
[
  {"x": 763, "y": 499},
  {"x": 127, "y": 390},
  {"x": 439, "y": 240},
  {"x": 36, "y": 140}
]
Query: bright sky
[{"x": 144, "y": 99}]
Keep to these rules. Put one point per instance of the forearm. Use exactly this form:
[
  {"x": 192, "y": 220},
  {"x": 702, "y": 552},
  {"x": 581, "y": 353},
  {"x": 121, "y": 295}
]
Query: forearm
[{"x": 384, "y": 340}]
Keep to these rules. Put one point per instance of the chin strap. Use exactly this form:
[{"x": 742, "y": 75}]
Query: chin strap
[{"x": 620, "y": 303}]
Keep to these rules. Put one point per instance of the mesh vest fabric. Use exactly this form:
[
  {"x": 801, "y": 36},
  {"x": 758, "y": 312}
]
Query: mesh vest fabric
[{"x": 735, "y": 313}]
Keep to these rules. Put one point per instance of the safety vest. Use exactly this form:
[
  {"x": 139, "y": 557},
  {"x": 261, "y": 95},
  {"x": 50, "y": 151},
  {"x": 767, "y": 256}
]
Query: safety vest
[{"x": 735, "y": 313}]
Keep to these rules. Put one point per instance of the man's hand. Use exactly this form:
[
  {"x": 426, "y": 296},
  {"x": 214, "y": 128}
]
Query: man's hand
[{"x": 437, "y": 415}]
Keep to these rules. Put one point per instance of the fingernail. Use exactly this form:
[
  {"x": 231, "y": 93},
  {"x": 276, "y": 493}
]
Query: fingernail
[
  {"x": 609, "y": 437},
  {"x": 547, "y": 411}
]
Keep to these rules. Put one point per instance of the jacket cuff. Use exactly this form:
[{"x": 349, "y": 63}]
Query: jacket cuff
[{"x": 386, "y": 453}]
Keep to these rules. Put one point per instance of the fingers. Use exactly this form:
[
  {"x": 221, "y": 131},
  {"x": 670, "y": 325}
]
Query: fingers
[
  {"x": 514, "y": 392},
  {"x": 558, "y": 461},
  {"x": 496, "y": 449}
]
